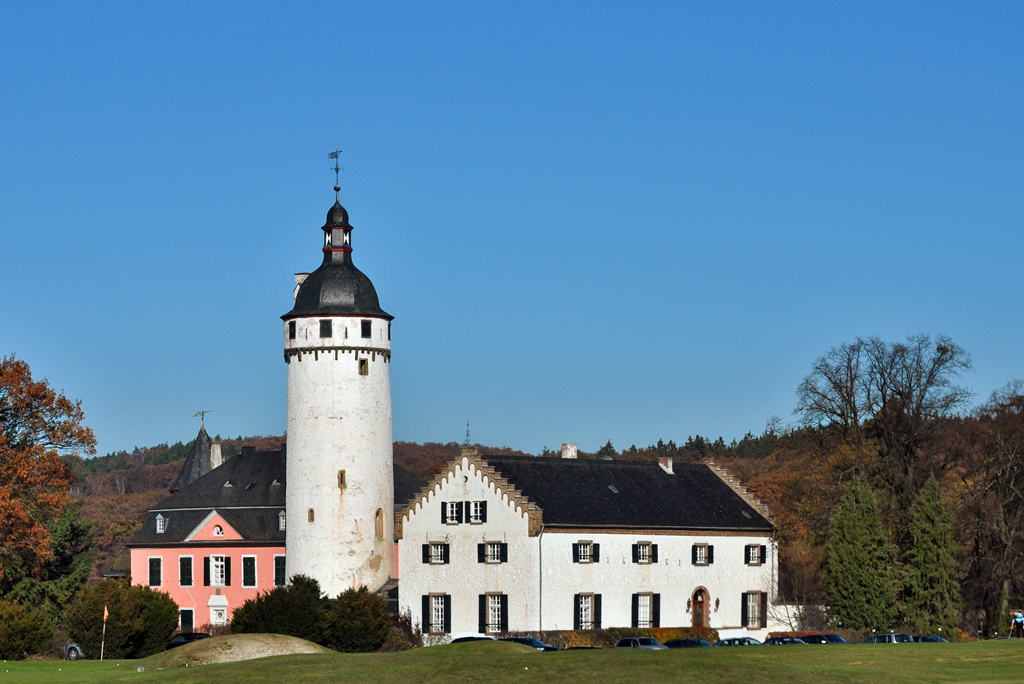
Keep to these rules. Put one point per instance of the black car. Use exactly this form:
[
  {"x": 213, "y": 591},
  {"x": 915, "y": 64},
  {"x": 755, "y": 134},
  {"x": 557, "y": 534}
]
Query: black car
[
  {"x": 467, "y": 639},
  {"x": 185, "y": 638},
  {"x": 783, "y": 641},
  {"x": 687, "y": 643},
  {"x": 823, "y": 639},
  {"x": 531, "y": 642}
]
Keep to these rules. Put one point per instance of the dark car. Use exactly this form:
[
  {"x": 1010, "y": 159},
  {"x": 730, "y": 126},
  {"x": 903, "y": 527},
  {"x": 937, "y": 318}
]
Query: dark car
[
  {"x": 823, "y": 639},
  {"x": 922, "y": 639},
  {"x": 783, "y": 641},
  {"x": 583, "y": 648},
  {"x": 643, "y": 643},
  {"x": 531, "y": 642},
  {"x": 467, "y": 639},
  {"x": 73, "y": 652},
  {"x": 738, "y": 641},
  {"x": 890, "y": 638},
  {"x": 686, "y": 643},
  {"x": 185, "y": 638}
]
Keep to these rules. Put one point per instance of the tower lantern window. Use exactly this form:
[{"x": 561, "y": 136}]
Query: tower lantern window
[
  {"x": 327, "y": 238},
  {"x": 325, "y": 328}
]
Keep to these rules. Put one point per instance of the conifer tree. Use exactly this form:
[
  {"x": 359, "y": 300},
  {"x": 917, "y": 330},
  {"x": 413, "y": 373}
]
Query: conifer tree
[
  {"x": 931, "y": 586},
  {"x": 860, "y": 579}
]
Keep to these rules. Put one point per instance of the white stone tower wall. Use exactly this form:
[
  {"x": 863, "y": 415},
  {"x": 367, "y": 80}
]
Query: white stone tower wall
[{"x": 339, "y": 420}]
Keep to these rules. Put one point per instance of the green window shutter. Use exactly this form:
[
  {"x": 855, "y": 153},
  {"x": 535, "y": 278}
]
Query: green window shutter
[
  {"x": 504, "y": 553},
  {"x": 444, "y": 513},
  {"x": 426, "y": 615},
  {"x": 654, "y": 553},
  {"x": 656, "y": 610},
  {"x": 447, "y": 557},
  {"x": 764, "y": 554},
  {"x": 764, "y": 610},
  {"x": 597, "y": 611},
  {"x": 447, "y": 614},
  {"x": 693, "y": 554},
  {"x": 504, "y": 612},
  {"x": 483, "y": 511},
  {"x": 426, "y": 553},
  {"x": 483, "y": 613},
  {"x": 636, "y": 556},
  {"x": 575, "y": 553},
  {"x": 458, "y": 512},
  {"x": 576, "y": 612},
  {"x": 227, "y": 571},
  {"x": 206, "y": 571},
  {"x": 481, "y": 553},
  {"x": 743, "y": 610},
  {"x": 711, "y": 554},
  {"x": 595, "y": 554},
  {"x": 635, "y": 619}
]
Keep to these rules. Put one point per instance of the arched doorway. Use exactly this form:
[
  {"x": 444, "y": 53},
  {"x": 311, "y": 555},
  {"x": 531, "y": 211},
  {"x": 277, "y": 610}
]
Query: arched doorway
[{"x": 699, "y": 608}]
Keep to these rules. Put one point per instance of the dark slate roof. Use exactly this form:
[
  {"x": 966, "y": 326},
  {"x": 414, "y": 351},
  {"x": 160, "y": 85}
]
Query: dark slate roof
[
  {"x": 407, "y": 486},
  {"x": 576, "y": 493},
  {"x": 198, "y": 461},
  {"x": 337, "y": 288}
]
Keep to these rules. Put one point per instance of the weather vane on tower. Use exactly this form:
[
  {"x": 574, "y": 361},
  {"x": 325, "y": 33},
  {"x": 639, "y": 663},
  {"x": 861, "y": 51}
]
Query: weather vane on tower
[
  {"x": 201, "y": 415},
  {"x": 334, "y": 155}
]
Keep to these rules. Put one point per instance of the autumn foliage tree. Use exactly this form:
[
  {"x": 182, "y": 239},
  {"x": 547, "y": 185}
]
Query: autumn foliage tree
[{"x": 37, "y": 427}]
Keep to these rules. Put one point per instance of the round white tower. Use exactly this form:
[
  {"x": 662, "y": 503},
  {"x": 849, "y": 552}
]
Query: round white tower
[{"x": 340, "y": 488}]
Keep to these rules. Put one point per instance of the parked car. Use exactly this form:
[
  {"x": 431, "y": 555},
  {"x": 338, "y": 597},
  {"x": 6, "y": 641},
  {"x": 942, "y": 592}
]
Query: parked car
[
  {"x": 738, "y": 641},
  {"x": 467, "y": 639},
  {"x": 643, "y": 643},
  {"x": 891, "y": 638},
  {"x": 686, "y": 643},
  {"x": 823, "y": 639},
  {"x": 922, "y": 639},
  {"x": 531, "y": 642},
  {"x": 783, "y": 641},
  {"x": 73, "y": 652},
  {"x": 185, "y": 638}
]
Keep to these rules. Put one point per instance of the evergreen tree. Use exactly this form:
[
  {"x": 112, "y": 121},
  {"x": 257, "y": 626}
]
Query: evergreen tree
[
  {"x": 860, "y": 569},
  {"x": 357, "y": 622},
  {"x": 607, "y": 450},
  {"x": 932, "y": 575}
]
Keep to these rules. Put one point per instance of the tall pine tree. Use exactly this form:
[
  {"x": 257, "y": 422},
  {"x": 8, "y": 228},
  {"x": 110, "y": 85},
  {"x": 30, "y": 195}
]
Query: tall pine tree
[
  {"x": 931, "y": 584},
  {"x": 860, "y": 579}
]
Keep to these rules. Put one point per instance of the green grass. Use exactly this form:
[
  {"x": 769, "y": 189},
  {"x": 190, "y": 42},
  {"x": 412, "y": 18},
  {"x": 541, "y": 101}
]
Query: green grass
[{"x": 996, "y": 661}]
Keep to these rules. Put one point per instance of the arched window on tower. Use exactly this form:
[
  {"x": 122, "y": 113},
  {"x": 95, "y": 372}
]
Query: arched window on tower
[{"x": 378, "y": 524}]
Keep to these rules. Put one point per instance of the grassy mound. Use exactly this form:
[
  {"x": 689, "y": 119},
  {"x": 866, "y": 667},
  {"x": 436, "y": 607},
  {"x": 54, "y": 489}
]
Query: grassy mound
[{"x": 232, "y": 649}]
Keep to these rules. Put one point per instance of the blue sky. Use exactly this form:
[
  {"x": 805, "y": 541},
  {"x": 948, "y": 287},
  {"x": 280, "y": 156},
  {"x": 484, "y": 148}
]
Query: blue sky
[{"x": 592, "y": 221}]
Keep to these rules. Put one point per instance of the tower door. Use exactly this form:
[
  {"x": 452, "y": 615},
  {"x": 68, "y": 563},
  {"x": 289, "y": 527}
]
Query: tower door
[{"x": 698, "y": 608}]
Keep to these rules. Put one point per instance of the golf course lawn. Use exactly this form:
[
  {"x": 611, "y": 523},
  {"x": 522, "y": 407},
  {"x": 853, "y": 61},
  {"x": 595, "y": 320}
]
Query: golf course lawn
[{"x": 993, "y": 661}]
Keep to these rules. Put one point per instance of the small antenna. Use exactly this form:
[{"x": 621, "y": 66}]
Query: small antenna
[
  {"x": 334, "y": 155},
  {"x": 201, "y": 415},
  {"x": 467, "y": 433}
]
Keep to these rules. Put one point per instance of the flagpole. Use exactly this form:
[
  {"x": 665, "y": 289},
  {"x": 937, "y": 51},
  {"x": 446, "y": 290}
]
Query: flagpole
[{"x": 103, "y": 640}]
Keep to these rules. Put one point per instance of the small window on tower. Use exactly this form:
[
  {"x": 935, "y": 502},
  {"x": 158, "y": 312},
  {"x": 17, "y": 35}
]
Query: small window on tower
[
  {"x": 341, "y": 479},
  {"x": 325, "y": 328},
  {"x": 291, "y": 330},
  {"x": 309, "y": 515},
  {"x": 389, "y": 332},
  {"x": 378, "y": 524},
  {"x": 364, "y": 366},
  {"x": 367, "y": 329}
]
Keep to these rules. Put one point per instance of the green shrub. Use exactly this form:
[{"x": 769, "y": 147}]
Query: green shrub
[
  {"x": 296, "y": 610},
  {"x": 357, "y": 622},
  {"x": 23, "y": 631},
  {"x": 140, "y": 623}
]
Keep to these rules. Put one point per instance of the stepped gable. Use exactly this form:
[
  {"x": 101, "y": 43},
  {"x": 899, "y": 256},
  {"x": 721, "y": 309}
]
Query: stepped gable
[
  {"x": 198, "y": 462},
  {"x": 627, "y": 494}
]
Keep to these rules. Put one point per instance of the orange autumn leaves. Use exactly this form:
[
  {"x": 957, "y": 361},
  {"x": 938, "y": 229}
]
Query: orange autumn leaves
[{"x": 37, "y": 427}]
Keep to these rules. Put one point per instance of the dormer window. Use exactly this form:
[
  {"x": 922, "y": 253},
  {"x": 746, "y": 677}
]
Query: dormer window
[
  {"x": 218, "y": 531},
  {"x": 161, "y": 524},
  {"x": 281, "y": 519}
]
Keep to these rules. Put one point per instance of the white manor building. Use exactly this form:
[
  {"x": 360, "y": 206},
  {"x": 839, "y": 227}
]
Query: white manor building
[{"x": 504, "y": 543}]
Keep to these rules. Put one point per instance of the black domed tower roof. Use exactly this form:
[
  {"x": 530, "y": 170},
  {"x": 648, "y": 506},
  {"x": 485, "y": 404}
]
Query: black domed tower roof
[{"x": 337, "y": 288}]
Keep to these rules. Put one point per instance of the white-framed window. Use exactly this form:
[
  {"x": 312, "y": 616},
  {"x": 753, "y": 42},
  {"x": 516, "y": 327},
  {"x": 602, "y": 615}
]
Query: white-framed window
[
  {"x": 476, "y": 512},
  {"x": 753, "y": 554},
  {"x": 186, "y": 619},
  {"x": 161, "y": 524},
  {"x": 218, "y": 572},
  {"x": 494, "y": 612},
  {"x": 282, "y": 521},
  {"x": 700, "y": 554},
  {"x": 437, "y": 553},
  {"x": 218, "y": 531},
  {"x": 643, "y": 611},
  {"x": 643, "y": 552},
  {"x": 586, "y": 616},
  {"x": 753, "y": 610},
  {"x": 452, "y": 515},
  {"x": 249, "y": 571},
  {"x": 156, "y": 574},
  {"x": 493, "y": 552},
  {"x": 585, "y": 553},
  {"x": 185, "y": 576},
  {"x": 218, "y": 616},
  {"x": 437, "y": 613}
]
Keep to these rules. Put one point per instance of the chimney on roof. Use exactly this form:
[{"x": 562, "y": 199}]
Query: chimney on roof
[
  {"x": 569, "y": 451},
  {"x": 215, "y": 456},
  {"x": 248, "y": 450},
  {"x": 666, "y": 464}
]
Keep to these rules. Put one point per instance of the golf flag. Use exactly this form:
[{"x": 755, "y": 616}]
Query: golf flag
[{"x": 105, "y": 614}]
